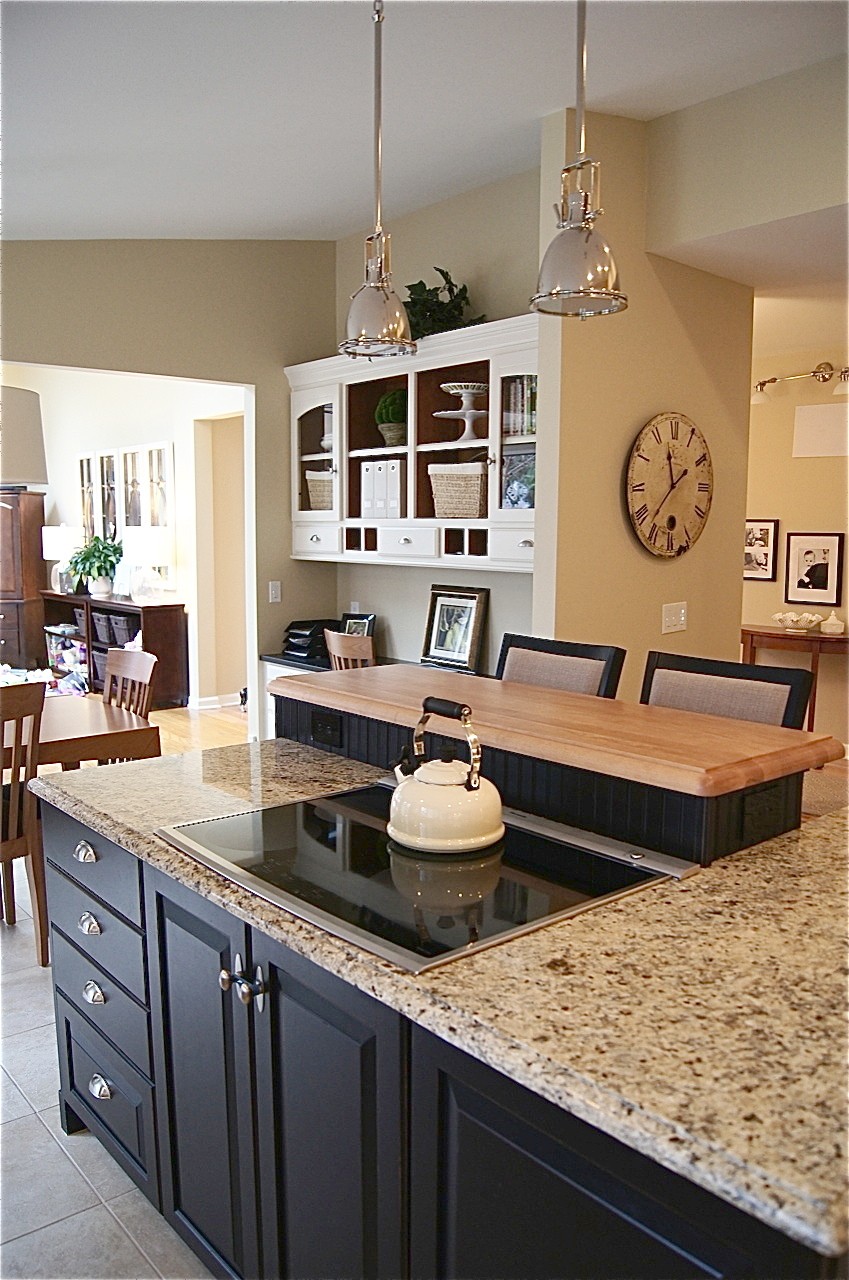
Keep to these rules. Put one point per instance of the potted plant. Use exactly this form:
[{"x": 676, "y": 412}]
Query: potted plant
[
  {"x": 391, "y": 416},
  {"x": 429, "y": 312},
  {"x": 97, "y": 562}
]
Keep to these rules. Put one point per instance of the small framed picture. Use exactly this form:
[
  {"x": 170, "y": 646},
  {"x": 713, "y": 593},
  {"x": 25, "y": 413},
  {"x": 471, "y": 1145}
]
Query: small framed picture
[
  {"x": 358, "y": 624},
  {"x": 814, "y": 568},
  {"x": 518, "y": 481},
  {"x": 455, "y": 622},
  {"x": 759, "y": 550}
]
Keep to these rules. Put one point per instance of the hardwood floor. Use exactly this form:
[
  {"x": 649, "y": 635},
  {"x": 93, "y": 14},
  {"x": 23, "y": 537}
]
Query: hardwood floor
[{"x": 183, "y": 729}]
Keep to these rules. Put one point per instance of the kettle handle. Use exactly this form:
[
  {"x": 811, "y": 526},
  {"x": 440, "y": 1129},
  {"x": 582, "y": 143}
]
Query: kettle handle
[{"x": 451, "y": 711}]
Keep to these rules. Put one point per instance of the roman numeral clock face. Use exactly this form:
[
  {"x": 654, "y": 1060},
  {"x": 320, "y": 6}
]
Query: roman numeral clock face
[{"x": 670, "y": 484}]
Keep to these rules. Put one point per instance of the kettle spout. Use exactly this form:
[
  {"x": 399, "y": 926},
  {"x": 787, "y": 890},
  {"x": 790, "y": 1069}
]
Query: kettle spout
[{"x": 403, "y": 767}]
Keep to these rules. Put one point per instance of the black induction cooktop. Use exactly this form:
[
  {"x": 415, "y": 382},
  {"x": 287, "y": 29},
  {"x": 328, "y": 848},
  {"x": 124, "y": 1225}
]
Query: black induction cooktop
[{"x": 330, "y": 861}]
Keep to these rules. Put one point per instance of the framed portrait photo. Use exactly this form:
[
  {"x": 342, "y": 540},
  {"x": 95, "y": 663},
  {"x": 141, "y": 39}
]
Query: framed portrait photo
[
  {"x": 518, "y": 481},
  {"x": 814, "y": 568},
  {"x": 358, "y": 624},
  {"x": 455, "y": 622},
  {"x": 759, "y": 550}
]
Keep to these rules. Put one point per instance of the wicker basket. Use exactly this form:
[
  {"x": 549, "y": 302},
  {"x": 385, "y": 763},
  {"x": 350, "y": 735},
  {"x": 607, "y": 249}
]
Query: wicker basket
[
  {"x": 102, "y": 626},
  {"x": 320, "y": 489},
  {"x": 459, "y": 490}
]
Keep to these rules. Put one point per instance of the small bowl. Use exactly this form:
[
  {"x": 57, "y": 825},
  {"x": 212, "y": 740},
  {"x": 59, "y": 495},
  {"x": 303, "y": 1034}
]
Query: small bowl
[{"x": 798, "y": 623}]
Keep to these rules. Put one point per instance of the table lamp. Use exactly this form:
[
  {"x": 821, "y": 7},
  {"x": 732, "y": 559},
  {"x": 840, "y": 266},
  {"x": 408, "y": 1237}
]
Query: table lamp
[
  {"x": 58, "y": 543},
  {"x": 147, "y": 550}
]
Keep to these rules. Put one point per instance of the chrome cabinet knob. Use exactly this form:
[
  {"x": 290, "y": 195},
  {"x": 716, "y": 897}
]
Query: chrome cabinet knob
[
  {"x": 84, "y": 852},
  {"x": 88, "y": 923},
  {"x": 93, "y": 993},
  {"x": 99, "y": 1088},
  {"x": 248, "y": 991}
]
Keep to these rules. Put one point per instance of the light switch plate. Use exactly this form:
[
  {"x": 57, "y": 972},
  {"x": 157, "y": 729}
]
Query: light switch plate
[
  {"x": 274, "y": 596},
  {"x": 674, "y": 617}
]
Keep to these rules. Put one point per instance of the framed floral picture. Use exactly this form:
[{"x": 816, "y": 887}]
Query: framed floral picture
[
  {"x": 455, "y": 622},
  {"x": 814, "y": 568},
  {"x": 358, "y": 624},
  {"x": 759, "y": 550}
]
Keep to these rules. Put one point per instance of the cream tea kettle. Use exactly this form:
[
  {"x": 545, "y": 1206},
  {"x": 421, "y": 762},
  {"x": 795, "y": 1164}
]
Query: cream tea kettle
[{"x": 444, "y": 805}]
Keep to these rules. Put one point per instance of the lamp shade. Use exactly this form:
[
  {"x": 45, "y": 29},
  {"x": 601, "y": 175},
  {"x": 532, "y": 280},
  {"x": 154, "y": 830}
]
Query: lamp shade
[
  {"x": 377, "y": 323},
  {"x": 578, "y": 276},
  {"x": 22, "y": 460},
  {"x": 60, "y": 541},
  {"x": 147, "y": 546}
]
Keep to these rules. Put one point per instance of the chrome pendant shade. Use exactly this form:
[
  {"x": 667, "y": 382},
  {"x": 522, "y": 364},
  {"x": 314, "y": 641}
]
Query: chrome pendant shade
[
  {"x": 378, "y": 324},
  {"x": 578, "y": 276}
]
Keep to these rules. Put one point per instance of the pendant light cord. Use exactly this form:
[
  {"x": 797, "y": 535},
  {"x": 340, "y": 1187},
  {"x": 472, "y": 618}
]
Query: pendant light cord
[
  {"x": 581, "y": 79},
  {"x": 378, "y": 116}
]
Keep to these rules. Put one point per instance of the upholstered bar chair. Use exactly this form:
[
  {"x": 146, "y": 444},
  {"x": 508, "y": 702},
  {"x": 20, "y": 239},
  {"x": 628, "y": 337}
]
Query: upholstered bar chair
[
  {"x": 20, "y": 726},
  {"x": 561, "y": 664},
  {"x": 736, "y": 690},
  {"x": 349, "y": 651}
]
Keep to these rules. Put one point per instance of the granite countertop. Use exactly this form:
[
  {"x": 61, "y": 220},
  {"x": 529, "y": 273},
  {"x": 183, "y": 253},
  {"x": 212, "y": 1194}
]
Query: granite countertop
[{"x": 702, "y": 1022}]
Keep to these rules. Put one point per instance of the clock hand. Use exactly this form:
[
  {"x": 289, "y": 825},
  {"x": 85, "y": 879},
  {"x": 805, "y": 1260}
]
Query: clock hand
[
  {"x": 671, "y": 489},
  {"x": 669, "y": 462}
]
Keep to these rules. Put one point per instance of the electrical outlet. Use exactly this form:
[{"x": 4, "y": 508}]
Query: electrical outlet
[
  {"x": 274, "y": 596},
  {"x": 355, "y": 606},
  {"x": 674, "y": 617}
]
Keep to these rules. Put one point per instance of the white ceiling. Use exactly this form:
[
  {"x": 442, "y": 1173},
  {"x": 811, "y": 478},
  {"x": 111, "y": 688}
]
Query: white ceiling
[{"x": 249, "y": 119}]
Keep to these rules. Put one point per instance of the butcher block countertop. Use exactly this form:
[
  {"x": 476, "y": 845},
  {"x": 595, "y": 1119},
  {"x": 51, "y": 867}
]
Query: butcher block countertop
[
  {"x": 702, "y": 1022},
  {"x": 680, "y": 751}
]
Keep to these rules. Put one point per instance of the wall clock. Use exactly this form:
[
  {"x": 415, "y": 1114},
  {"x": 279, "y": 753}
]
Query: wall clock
[{"x": 669, "y": 484}]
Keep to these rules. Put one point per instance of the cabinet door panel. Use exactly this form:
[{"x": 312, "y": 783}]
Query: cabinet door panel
[
  {"x": 203, "y": 1076},
  {"x": 329, "y": 1081},
  {"x": 506, "y": 1184}
]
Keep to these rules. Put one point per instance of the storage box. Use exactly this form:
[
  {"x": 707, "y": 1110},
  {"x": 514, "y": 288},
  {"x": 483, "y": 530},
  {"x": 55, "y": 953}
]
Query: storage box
[
  {"x": 459, "y": 489},
  {"x": 99, "y": 661},
  {"x": 79, "y": 614},
  {"x": 320, "y": 489},
  {"x": 121, "y": 629},
  {"x": 102, "y": 624}
]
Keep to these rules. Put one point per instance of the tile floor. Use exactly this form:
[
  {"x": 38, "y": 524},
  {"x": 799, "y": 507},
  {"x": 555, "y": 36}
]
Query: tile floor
[{"x": 68, "y": 1211}]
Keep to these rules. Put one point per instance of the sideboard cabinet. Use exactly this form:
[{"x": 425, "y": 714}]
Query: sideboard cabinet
[
  {"x": 110, "y": 623},
  {"x": 357, "y": 498}
]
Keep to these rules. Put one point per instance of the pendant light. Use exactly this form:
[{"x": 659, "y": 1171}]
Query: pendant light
[
  {"x": 578, "y": 276},
  {"x": 377, "y": 319}
]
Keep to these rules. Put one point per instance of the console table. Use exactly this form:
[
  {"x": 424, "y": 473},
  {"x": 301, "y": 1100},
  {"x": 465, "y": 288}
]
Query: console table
[{"x": 813, "y": 642}]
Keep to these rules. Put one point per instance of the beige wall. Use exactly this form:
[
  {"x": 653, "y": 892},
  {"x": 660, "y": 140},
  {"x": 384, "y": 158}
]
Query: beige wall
[
  {"x": 807, "y": 495},
  {"x": 683, "y": 344},
  {"x": 228, "y": 479},
  {"x": 772, "y": 151},
  {"x": 485, "y": 239},
  {"x": 229, "y": 311}
]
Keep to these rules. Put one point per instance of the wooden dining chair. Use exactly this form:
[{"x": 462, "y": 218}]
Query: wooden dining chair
[
  {"x": 128, "y": 681},
  {"x": 561, "y": 664},
  {"x": 349, "y": 651},
  {"x": 20, "y": 724},
  {"x": 735, "y": 690}
]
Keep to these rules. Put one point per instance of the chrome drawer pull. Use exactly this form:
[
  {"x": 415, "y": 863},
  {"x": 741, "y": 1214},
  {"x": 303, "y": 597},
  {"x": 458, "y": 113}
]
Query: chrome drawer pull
[
  {"x": 526, "y": 542},
  {"x": 314, "y": 537},
  {"x": 88, "y": 923},
  {"x": 99, "y": 1088},
  {"x": 405, "y": 542},
  {"x": 84, "y": 852},
  {"x": 93, "y": 993}
]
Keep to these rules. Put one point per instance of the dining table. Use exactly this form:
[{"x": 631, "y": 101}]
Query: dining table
[{"x": 75, "y": 729}]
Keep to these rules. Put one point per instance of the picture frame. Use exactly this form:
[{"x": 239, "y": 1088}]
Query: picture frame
[
  {"x": 518, "y": 480},
  {"x": 760, "y": 546},
  {"x": 358, "y": 624},
  {"x": 813, "y": 570},
  {"x": 455, "y": 625}
]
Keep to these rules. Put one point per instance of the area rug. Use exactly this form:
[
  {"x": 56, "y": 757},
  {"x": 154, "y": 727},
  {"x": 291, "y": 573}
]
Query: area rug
[{"x": 824, "y": 791}]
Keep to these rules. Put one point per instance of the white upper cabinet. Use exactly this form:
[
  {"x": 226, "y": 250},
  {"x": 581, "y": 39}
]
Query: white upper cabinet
[{"x": 437, "y": 487}]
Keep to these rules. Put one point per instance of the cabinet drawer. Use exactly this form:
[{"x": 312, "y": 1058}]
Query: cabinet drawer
[
  {"x": 405, "y": 540},
  {"x": 113, "y": 946},
  {"x": 515, "y": 546},
  {"x": 122, "y": 1117},
  {"x": 114, "y": 875},
  {"x": 115, "y": 1014},
  {"x": 316, "y": 539}
]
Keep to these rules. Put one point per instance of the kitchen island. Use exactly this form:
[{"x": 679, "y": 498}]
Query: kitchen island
[
  {"x": 694, "y": 786},
  {"x": 695, "y": 1029}
]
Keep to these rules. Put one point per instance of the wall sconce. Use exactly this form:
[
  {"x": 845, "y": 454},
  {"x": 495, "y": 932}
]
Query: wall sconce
[{"x": 823, "y": 373}]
